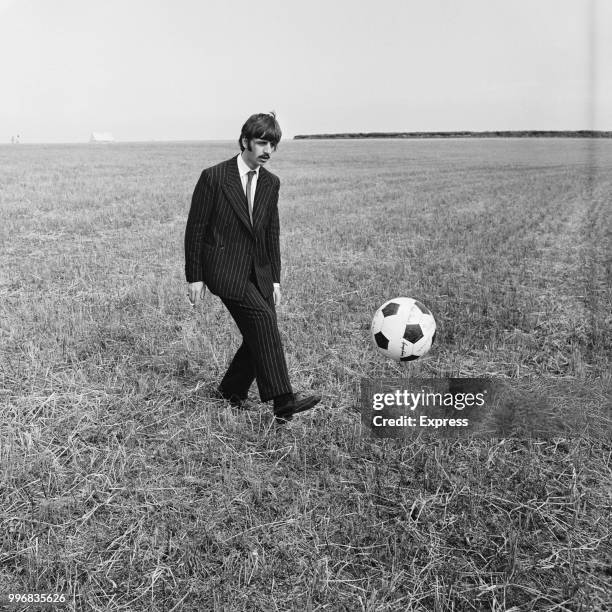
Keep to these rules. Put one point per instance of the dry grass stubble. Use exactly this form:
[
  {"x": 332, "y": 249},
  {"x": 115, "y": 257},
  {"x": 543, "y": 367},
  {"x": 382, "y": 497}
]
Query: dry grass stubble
[{"x": 124, "y": 486}]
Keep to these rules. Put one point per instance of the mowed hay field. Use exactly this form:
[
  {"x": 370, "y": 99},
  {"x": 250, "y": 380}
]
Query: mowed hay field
[{"x": 124, "y": 486}]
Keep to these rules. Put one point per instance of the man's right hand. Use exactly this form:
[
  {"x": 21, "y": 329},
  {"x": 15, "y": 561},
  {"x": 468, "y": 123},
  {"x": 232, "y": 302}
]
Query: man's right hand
[{"x": 195, "y": 292}]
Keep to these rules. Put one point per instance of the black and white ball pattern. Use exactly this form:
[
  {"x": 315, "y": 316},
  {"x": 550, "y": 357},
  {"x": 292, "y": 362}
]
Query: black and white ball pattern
[{"x": 403, "y": 329}]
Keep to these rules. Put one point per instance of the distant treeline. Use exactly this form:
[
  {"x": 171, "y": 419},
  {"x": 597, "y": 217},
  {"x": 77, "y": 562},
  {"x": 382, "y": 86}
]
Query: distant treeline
[{"x": 501, "y": 134}]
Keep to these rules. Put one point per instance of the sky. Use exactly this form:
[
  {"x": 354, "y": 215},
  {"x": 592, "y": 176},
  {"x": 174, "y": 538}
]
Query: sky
[{"x": 196, "y": 69}]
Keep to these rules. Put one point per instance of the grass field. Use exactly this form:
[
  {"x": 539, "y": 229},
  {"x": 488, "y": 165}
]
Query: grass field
[{"x": 125, "y": 487}]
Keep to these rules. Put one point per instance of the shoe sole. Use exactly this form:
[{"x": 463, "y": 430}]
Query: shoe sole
[{"x": 282, "y": 418}]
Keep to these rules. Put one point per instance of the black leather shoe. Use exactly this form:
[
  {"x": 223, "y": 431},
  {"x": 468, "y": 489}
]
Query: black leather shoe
[
  {"x": 235, "y": 400},
  {"x": 283, "y": 414}
]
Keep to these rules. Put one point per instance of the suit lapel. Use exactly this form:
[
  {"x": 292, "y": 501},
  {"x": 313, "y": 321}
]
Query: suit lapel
[
  {"x": 232, "y": 186},
  {"x": 263, "y": 193}
]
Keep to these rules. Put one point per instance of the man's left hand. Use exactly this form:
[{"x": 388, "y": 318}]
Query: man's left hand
[{"x": 277, "y": 295}]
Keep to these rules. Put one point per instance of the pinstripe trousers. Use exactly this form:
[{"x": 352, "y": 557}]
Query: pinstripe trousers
[{"x": 260, "y": 356}]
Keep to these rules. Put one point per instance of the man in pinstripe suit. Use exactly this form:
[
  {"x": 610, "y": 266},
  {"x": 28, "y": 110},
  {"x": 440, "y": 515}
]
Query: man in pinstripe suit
[{"x": 232, "y": 247}]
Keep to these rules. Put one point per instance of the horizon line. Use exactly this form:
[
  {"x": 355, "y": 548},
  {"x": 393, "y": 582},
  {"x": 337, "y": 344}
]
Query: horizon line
[{"x": 340, "y": 135}]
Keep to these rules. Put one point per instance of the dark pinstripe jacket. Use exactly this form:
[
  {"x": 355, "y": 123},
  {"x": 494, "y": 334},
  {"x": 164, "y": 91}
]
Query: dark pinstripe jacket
[{"x": 221, "y": 246}]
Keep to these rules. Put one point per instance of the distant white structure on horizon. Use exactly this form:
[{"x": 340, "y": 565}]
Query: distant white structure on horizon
[{"x": 101, "y": 137}]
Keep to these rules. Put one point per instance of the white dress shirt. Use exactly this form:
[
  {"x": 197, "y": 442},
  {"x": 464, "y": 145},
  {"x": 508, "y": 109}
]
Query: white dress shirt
[{"x": 244, "y": 170}]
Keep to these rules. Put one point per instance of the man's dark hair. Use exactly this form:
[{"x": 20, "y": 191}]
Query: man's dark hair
[{"x": 261, "y": 125}]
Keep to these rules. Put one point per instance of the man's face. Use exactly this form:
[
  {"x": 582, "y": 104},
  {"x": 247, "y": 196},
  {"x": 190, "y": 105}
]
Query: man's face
[{"x": 257, "y": 152}]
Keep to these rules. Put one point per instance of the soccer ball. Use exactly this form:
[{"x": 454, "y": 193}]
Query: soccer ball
[{"x": 403, "y": 329}]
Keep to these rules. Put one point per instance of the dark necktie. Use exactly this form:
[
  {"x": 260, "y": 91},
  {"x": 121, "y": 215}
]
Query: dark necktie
[{"x": 250, "y": 176}]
